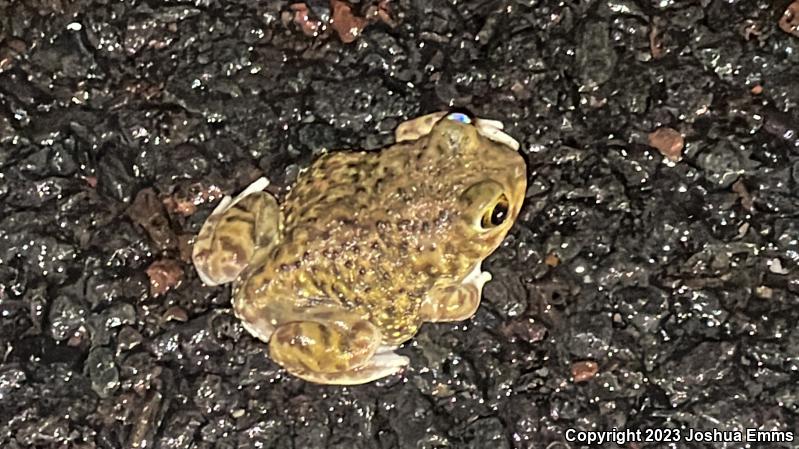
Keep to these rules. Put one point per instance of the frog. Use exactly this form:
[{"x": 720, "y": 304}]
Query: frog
[{"x": 367, "y": 245}]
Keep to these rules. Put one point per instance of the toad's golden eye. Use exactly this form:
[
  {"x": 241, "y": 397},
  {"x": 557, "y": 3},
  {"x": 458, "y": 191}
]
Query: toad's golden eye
[{"x": 496, "y": 214}]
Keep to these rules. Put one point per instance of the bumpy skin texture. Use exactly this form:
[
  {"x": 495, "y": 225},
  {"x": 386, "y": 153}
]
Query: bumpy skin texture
[{"x": 367, "y": 246}]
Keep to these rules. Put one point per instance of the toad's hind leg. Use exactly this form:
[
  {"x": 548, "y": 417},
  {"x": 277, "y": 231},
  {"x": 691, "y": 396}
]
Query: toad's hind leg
[
  {"x": 333, "y": 347},
  {"x": 234, "y": 231},
  {"x": 455, "y": 302}
]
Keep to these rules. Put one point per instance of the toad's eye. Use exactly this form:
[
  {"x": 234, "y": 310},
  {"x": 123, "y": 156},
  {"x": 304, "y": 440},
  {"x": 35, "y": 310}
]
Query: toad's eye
[
  {"x": 496, "y": 214},
  {"x": 460, "y": 118}
]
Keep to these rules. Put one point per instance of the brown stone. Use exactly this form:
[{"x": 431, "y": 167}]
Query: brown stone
[
  {"x": 188, "y": 195},
  {"x": 584, "y": 371},
  {"x": 149, "y": 213},
  {"x": 302, "y": 17},
  {"x": 526, "y": 330},
  {"x": 176, "y": 313},
  {"x": 185, "y": 246},
  {"x": 382, "y": 13},
  {"x": 164, "y": 275},
  {"x": 789, "y": 22},
  {"x": 743, "y": 193},
  {"x": 347, "y": 25},
  {"x": 656, "y": 47},
  {"x": 668, "y": 141}
]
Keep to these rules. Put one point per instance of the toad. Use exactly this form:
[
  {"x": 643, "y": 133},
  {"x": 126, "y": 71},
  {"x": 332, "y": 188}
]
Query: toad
[{"x": 367, "y": 246}]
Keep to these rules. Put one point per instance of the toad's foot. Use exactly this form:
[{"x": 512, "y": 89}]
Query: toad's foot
[
  {"x": 492, "y": 129},
  {"x": 456, "y": 302},
  {"x": 383, "y": 363},
  {"x": 340, "y": 348},
  {"x": 234, "y": 231}
]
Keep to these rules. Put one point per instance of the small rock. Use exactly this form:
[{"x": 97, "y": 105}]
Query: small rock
[
  {"x": 764, "y": 292},
  {"x": 656, "y": 47},
  {"x": 103, "y": 372},
  {"x": 185, "y": 242},
  {"x": 164, "y": 275},
  {"x": 724, "y": 164},
  {"x": 596, "y": 57},
  {"x": 346, "y": 24},
  {"x": 382, "y": 12},
  {"x": 78, "y": 338},
  {"x": 789, "y": 22},
  {"x": 746, "y": 198},
  {"x": 128, "y": 338},
  {"x": 10, "y": 51},
  {"x": 703, "y": 368},
  {"x": 775, "y": 266},
  {"x": 119, "y": 314},
  {"x": 176, "y": 313},
  {"x": 66, "y": 316},
  {"x": 187, "y": 196},
  {"x": 584, "y": 371},
  {"x": 527, "y": 330},
  {"x": 145, "y": 422},
  {"x": 148, "y": 212},
  {"x": 11, "y": 380},
  {"x": 442, "y": 391},
  {"x": 179, "y": 206},
  {"x": 302, "y": 17},
  {"x": 115, "y": 176},
  {"x": 486, "y": 432},
  {"x": 669, "y": 142}
]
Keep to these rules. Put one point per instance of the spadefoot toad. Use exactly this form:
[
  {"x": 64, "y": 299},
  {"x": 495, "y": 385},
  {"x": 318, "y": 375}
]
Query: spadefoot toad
[{"x": 367, "y": 246}]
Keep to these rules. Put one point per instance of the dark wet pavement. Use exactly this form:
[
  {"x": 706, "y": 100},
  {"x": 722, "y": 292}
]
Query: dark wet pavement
[{"x": 652, "y": 280}]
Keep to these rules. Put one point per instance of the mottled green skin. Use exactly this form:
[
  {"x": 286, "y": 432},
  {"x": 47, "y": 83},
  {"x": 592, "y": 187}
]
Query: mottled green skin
[
  {"x": 366, "y": 241},
  {"x": 375, "y": 231}
]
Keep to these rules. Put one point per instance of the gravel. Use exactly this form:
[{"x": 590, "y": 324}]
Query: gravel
[{"x": 643, "y": 287}]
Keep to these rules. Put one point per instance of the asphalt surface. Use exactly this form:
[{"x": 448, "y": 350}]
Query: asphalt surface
[{"x": 651, "y": 281}]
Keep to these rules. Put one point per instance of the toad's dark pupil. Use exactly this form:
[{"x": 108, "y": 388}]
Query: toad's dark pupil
[{"x": 499, "y": 214}]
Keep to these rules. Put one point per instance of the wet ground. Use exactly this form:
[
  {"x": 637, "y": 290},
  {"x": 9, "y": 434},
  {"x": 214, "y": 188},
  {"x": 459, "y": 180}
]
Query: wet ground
[{"x": 651, "y": 282}]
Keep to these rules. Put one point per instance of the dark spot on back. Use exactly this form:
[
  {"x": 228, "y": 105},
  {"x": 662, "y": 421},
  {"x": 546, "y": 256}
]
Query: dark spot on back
[
  {"x": 227, "y": 244},
  {"x": 325, "y": 335}
]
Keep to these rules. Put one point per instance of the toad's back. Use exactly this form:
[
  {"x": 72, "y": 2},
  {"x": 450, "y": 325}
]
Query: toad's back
[{"x": 365, "y": 230}]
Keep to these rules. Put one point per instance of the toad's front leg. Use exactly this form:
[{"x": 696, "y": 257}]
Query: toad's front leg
[{"x": 456, "y": 302}]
